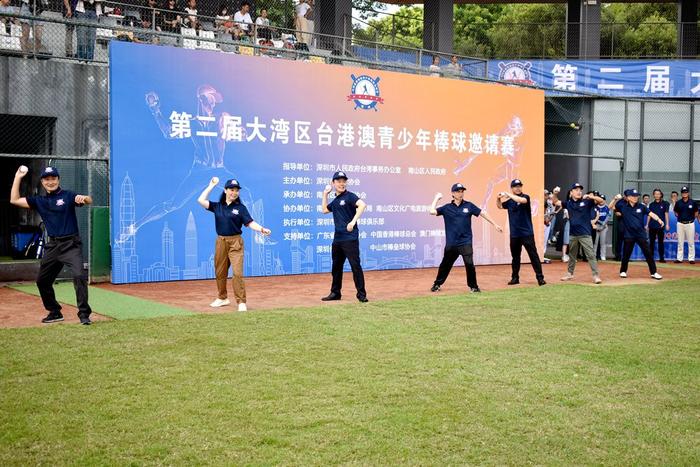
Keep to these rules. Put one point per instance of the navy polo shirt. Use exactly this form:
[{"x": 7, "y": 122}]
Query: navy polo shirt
[
  {"x": 229, "y": 218},
  {"x": 519, "y": 217},
  {"x": 344, "y": 208},
  {"x": 633, "y": 218},
  {"x": 458, "y": 222},
  {"x": 57, "y": 210},
  {"x": 685, "y": 210},
  {"x": 660, "y": 209},
  {"x": 580, "y": 216}
]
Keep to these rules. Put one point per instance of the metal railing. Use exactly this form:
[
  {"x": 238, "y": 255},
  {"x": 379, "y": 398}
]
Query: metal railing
[{"x": 56, "y": 35}]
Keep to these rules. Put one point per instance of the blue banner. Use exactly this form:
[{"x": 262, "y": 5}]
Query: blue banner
[{"x": 619, "y": 78}]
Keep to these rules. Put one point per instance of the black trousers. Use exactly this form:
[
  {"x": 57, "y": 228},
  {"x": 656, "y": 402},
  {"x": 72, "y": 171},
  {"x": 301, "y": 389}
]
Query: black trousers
[
  {"x": 644, "y": 246},
  {"x": 350, "y": 250},
  {"x": 620, "y": 240},
  {"x": 448, "y": 260},
  {"x": 516, "y": 248},
  {"x": 58, "y": 253},
  {"x": 654, "y": 235}
]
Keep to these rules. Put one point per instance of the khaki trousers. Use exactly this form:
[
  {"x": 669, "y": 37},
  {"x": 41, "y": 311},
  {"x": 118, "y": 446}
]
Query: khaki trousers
[{"x": 229, "y": 252}]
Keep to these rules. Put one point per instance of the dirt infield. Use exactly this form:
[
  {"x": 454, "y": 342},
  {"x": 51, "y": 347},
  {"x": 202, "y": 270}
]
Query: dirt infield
[
  {"x": 18, "y": 309},
  {"x": 306, "y": 290},
  {"x": 21, "y": 310}
]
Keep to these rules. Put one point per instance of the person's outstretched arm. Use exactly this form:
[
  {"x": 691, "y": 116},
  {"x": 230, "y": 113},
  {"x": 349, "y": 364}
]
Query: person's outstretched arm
[{"x": 15, "y": 198}]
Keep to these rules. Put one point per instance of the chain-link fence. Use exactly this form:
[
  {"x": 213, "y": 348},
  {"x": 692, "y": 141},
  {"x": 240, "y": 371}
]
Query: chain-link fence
[{"x": 51, "y": 113}]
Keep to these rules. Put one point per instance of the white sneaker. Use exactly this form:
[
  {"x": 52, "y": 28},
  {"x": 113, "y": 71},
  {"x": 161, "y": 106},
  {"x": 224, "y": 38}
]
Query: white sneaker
[
  {"x": 565, "y": 259},
  {"x": 602, "y": 258},
  {"x": 567, "y": 277},
  {"x": 242, "y": 307},
  {"x": 597, "y": 280},
  {"x": 218, "y": 302},
  {"x": 657, "y": 276},
  {"x": 623, "y": 275}
]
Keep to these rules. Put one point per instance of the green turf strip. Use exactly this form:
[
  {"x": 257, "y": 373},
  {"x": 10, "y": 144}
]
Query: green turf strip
[{"x": 112, "y": 304}]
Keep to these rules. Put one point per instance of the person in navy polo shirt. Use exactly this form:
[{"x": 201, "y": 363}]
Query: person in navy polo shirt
[
  {"x": 686, "y": 210},
  {"x": 230, "y": 215},
  {"x": 632, "y": 215},
  {"x": 458, "y": 232},
  {"x": 521, "y": 232},
  {"x": 661, "y": 208},
  {"x": 63, "y": 248},
  {"x": 347, "y": 208},
  {"x": 579, "y": 207}
]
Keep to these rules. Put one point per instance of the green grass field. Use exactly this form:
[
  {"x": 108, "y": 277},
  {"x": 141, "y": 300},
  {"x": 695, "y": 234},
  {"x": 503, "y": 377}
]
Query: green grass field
[{"x": 561, "y": 374}]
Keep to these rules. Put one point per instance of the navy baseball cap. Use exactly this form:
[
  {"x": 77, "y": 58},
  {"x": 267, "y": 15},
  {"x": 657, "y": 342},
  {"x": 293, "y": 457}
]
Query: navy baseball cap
[
  {"x": 339, "y": 174},
  {"x": 576, "y": 185},
  {"x": 233, "y": 183},
  {"x": 684, "y": 189},
  {"x": 49, "y": 172},
  {"x": 632, "y": 192},
  {"x": 516, "y": 182},
  {"x": 458, "y": 187},
  {"x": 602, "y": 196}
]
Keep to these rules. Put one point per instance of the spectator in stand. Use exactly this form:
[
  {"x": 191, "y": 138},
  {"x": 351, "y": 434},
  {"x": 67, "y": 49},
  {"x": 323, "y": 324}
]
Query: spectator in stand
[
  {"x": 301, "y": 22},
  {"x": 5, "y": 22},
  {"x": 224, "y": 21},
  {"x": 86, "y": 11},
  {"x": 70, "y": 28},
  {"x": 150, "y": 13},
  {"x": 454, "y": 66},
  {"x": 262, "y": 25},
  {"x": 31, "y": 8},
  {"x": 171, "y": 18},
  {"x": 435, "y": 66},
  {"x": 189, "y": 17},
  {"x": 243, "y": 21}
]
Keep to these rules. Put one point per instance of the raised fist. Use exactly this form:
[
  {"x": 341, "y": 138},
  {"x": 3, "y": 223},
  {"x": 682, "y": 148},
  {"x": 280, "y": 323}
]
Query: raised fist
[
  {"x": 214, "y": 181},
  {"x": 152, "y": 100}
]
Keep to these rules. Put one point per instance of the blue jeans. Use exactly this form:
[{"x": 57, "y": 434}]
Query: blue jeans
[{"x": 86, "y": 35}]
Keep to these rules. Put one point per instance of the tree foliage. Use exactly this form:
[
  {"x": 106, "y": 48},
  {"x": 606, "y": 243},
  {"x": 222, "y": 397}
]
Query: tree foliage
[{"x": 533, "y": 30}]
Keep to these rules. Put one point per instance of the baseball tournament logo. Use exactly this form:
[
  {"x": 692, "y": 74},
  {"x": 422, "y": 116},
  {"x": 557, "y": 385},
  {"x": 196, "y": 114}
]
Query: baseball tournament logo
[
  {"x": 516, "y": 72},
  {"x": 365, "y": 92}
]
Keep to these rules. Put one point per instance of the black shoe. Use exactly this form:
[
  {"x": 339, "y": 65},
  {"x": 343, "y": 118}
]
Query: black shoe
[
  {"x": 435, "y": 288},
  {"x": 514, "y": 282},
  {"x": 677, "y": 262},
  {"x": 85, "y": 320},
  {"x": 662, "y": 261},
  {"x": 541, "y": 282},
  {"x": 363, "y": 299},
  {"x": 331, "y": 297},
  {"x": 52, "y": 318},
  {"x": 475, "y": 290},
  {"x": 691, "y": 262}
]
